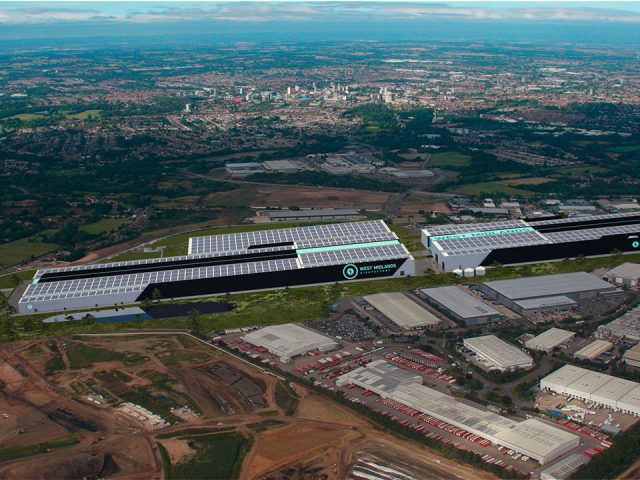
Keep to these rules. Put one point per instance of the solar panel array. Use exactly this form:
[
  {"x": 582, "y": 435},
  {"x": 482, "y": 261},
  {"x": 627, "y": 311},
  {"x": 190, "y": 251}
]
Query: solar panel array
[
  {"x": 474, "y": 227},
  {"x": 304, "y": 237},
  {"x": 611, "y": 216},
  {"x": 151, "y": 261},
  {"x": 367, "y": 232},
  {"x": 470, "y": 245},
  {"x": 591, "y": 233},
  {"x": 383, "y": 252},
  {"x": 137, "y": 282}
]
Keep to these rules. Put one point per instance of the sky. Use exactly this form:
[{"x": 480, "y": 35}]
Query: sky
[
  {"x": 77, "y": 11},
  {"x": 156, "y": 22}
]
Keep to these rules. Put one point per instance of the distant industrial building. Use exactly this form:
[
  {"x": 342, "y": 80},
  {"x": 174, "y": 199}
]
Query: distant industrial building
[
  {"x": 626, "y": 275},
  {"x": 498, "y": 354},
  {"x": 290, "y": 340},
  {"x": 281, "y": 166},
  {"x": 534, "y": 438},
  {"x": 243, "y": 169},
  {"x": 530, "y": 307},
  {"x": 593, "y": 350},
  {"x": 518, "y": 241},
  {"x": 632, "y": 356},
  {"x": 402, "y": 310},
  {"x": 616, "y": 393},
  {"x": 310, "y": 214},
  {"x": 576, "y": 286},
  {"x": 460, "y": 306},
  {"x": 625, "y": 327},
  {"x": 552, "y": 338}
]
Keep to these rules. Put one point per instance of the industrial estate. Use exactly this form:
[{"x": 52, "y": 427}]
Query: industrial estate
[{"x": 511, "y": 370}]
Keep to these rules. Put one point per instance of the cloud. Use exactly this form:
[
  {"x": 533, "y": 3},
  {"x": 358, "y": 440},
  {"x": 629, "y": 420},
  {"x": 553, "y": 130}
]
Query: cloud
[{"x": 55, "y": 12}]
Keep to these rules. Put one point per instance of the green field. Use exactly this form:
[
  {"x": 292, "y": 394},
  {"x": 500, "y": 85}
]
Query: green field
[
  {"x": 103, "y": 226},
  {"x": 489, "y": 188},
  {"x": 218, "y": 456},
  {"x": 85, "y": 114},
  {"x": 11, "y": 452},
  {"x": 625, "y": 149},
  {"x": 22, "y": 250},
  {"x": 27, "y": 117},
  {"x": 81, "y": 355},
  {"x": 449, "y": 159},
  {"x": 7, "y": 281},
  {"x": 582, "y": 170}
]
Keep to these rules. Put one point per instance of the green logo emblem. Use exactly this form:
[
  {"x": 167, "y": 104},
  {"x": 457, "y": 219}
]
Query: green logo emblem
[
  {"x": 635, "y": 244},
  {"x": 350, "y": 271}
]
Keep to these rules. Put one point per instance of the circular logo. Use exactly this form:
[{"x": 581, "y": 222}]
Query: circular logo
[
  {"x": 635, "y": 244},
  {"x": 350, "y": 271}
]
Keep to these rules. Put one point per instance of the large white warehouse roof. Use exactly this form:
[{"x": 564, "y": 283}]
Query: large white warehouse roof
[
  {"x": 289, "y": 340},
  {"x": 534, "y": 438},
  {"x": 548, "y": 285},
  {"x": 498, "y": 352},
  {"x": 401, "y": 310},
  {"x": 614, "y": 392},
  {"x": 548, "y": 340}
]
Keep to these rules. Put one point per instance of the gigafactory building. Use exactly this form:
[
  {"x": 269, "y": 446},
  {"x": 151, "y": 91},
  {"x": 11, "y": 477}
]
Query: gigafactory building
[
  {"x": 519, "y": 241},
  {"x": 228, "y": 263}
]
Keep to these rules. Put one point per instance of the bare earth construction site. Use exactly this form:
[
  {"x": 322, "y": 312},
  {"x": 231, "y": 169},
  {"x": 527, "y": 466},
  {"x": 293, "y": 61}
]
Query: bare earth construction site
[{"x": 141, "y": 406}]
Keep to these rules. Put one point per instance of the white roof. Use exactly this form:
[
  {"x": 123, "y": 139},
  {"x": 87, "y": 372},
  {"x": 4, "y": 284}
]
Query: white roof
[
  {"x": 537, "y": 437},
  {"x": 498, "y": 351},
  {"x": 549, "y": 339},
  {"x": 614, "y": 389},
  {"x": 633, "y": 353},
  {"x": 459, "y": 302},
  {"x": 289, "y": 340},
  {"x": 628, "y": 270},
  {"x": 563, "y": 376},
  {"x": 595, "y": 348},
  {"x": 548, "y": 285},
  {"x": 531, "y": 437},
  {"x": 589, "y": 382},
  {"x": 401, "y": 310},
  {"x": 631, "y": 401},
  {"x": 545, "y": 302}
]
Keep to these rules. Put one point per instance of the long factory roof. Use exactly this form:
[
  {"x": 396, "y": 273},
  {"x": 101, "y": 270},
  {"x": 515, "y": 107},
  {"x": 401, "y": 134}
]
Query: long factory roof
[
  {"x": 459, "y": 302},
  {"x": 498, "y": 351},
  {"x": 531, "y": 436},
  {"x": 225, "y": 255},
  {"x": 402, "y": 310},
  {"x": 548, "y": 285},
  {"x": 465, "y": 239}
]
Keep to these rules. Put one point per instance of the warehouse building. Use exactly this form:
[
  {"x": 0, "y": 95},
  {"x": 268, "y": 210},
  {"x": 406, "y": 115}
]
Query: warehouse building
[
  {"x": 625, "y": 327},
  {"x": 533, "y": 438},
  {"x": 498, "y": 354},
  {"x": 233, "y": 262},
  {"x": 586, "y": 385},
  {"x": 521, "y": 241},
  {"x": 402, "y": 310},
  {"x": 289, "y": 340},
  {"x": 564, "y": 468},
  {"x": 310, "y": 214},
  {"x": 632, "y": 356},
  {"x": 460, "y": 306},
  {"x": 530, "y": 307},
  {"x": 626, "y": 275},
  {"x": 552, "y": 338},
  {"x": 577, "y": 285},
  {"x": 593, "y": 350}
]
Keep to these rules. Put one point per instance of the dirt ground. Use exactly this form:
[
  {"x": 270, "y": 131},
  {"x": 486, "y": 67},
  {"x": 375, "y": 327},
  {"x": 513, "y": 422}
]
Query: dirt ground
[
  {"x": 322, "y": 439},
  {"x": 326, "y": 197}
]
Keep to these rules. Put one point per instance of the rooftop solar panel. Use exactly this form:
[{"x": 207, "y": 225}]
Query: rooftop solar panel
[
  {"x": 315, "y": 235},
  {"x": 440, "y": 230},
  {"x": 579, "y": 219}
]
